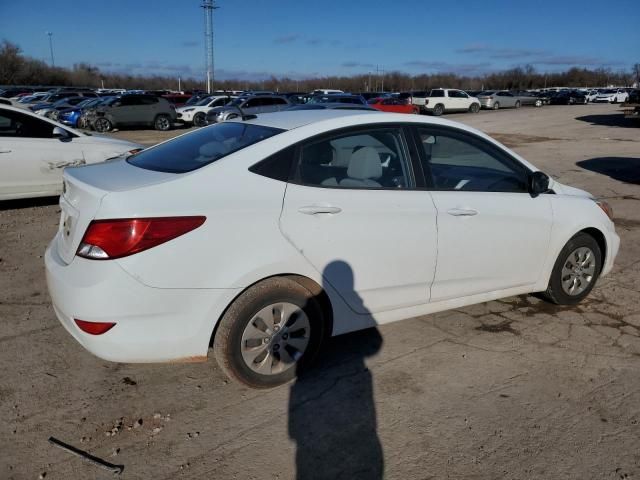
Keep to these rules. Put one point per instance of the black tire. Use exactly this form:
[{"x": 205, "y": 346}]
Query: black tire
[
  {"x": 438, "y": 110},
  {"x": 517, "y": 103},
  {"x": 162, "y": 123},
  {"x": 555, "y": 292},
  {"x": 496, "y": 106},
  {"x": 102, "y": 125},
  {"x": 199, "y": 119},
  {"x": 474, "y": 108},
  {"x": 227, "y": 344}
]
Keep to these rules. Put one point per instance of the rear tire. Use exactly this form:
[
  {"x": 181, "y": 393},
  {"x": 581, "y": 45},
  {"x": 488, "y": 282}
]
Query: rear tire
[
  {"x": 162, "y": 123},
  {"x": 496, "y": 106},
  {"x": 270, "y": 333},
  {"x": 438, "y": 110},
  {"x": 102, "y": 125},
  {"x": 575, "y": 272},
  {"x": 474, "y": 108},
  {"x": 538, "y": 103},
  {"x": 518, "y": 104}
]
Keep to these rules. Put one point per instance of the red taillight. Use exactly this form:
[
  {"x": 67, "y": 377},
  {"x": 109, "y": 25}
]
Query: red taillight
[
  {"x": 94, "y": 328},
  {"x": 109, "y": 239}
]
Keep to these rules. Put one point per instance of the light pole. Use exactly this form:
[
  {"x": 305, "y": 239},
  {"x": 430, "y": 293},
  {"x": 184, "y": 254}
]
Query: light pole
[{"x": 53, "y": 63}]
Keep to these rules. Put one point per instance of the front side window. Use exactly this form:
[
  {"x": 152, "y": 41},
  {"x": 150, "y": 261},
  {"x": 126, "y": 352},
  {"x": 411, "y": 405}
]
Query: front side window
[
  {"x": 202, "y": 147},
  {"x": 14, "y": 124},
  {"x": 459, "y": 161},
  {"x": 373, "y": 158}
]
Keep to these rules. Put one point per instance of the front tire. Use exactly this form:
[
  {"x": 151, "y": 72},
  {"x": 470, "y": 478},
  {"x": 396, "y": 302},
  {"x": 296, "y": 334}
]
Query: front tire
[
  {"x": 518, "y": 104},
  {"x": 496, "y": 106},
  {"x": 269, "y": 333},
  {"x": 200, "y": 119},
  {"x": 474, "y": 108},
  {"x": 576, "y": 271},
  {"x": 538, "y": 103},
  {"x": 102, "y": 125}
]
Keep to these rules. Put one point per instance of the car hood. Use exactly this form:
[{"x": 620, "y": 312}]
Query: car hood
[
  {"x": 124, "y": 145},
  {"x": 567, "y": 190}
]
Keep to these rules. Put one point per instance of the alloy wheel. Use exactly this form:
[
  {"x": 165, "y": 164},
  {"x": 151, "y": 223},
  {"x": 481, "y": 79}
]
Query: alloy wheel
[
  {"x": 275, "y": 338},
  {"x": 578, "y": 271}
]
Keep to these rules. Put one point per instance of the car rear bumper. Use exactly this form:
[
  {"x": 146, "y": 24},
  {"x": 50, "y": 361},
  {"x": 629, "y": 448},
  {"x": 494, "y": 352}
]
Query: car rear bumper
[{"x": 152, "y": 324}]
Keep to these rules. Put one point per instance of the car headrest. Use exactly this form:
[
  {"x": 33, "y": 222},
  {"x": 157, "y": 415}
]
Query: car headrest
[{"x": 364, "y": 164}]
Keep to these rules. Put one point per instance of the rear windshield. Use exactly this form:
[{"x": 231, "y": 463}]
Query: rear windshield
[{"x": 202, "y": 147}]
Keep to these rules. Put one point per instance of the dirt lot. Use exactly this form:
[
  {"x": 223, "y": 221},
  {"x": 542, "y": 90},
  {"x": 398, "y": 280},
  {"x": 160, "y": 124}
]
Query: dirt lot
[{"x": 514, "y": 389}]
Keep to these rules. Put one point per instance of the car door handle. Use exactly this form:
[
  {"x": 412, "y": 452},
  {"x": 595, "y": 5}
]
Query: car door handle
[
  {"x": 462, "y": 212},
  {"x": 316, "y": 209},
  {"x": 5, "y": 151}
]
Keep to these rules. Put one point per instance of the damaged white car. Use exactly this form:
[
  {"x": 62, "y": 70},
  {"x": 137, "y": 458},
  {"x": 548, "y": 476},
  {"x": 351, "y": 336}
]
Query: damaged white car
[{"x": 34, "y": 151}]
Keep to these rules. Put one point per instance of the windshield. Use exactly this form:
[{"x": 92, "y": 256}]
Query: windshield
[
  {"x": 204, "y": 102},
  {"x": 202, "y": 147}
]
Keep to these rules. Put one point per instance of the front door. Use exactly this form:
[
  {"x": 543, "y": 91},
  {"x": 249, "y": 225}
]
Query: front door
[
  {"x": 360, "y": 222},
  {"x": 492, "y": 235}
]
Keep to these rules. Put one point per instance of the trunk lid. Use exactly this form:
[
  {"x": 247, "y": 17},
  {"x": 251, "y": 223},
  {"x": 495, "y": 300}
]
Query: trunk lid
[{"x": 83, "y": 190}]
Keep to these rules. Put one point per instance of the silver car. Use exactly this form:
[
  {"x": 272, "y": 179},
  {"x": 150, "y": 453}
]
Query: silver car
[
  {"x": 495, "y": 99},
  {"x": 247, "y": 106}
]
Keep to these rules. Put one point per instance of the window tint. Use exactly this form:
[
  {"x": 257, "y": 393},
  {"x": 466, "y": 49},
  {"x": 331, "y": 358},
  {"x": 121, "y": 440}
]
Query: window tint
[
  {"x": 437, "y": 93},
  {"x": 458, "y": 161},
  {"x": 457, "y": 94},
  {"x": 14, "y": 124},
  {"x": 202, "y": 147},
  {"x": 148, "y": 101},
  {"x": 367, "y": 159},
  {"x": 277, "y": 166}
]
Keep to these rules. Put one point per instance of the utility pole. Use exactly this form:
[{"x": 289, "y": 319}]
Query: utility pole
[
  {"x": 53, "y": 63},
  {"x": 209, "y": 6}
]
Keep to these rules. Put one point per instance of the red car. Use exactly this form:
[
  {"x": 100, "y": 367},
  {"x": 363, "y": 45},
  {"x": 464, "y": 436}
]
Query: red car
[{"x": 390, "y": 104}]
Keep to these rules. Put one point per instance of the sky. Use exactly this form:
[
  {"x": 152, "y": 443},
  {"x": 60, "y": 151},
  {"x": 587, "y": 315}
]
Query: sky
[{"x": 301, "y": 39}]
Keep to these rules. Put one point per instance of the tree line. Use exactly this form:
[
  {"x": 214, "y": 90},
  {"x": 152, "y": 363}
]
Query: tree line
[{"x": 18, "y": 69}]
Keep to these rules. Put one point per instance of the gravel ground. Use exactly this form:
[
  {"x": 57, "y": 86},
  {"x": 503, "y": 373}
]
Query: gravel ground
[{"x": 514, "y": 389}]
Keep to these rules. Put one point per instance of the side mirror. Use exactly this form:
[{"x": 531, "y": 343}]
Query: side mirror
[
  {"x": 538, "y": 183},
  {"x": 61, "y": 134}
]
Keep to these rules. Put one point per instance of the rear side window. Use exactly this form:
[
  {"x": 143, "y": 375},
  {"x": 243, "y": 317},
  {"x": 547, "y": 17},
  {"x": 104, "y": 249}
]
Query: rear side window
[
  {"x": 437, "y": 93},
  {"x": 202, "y": 147},
  {"x": 277, "y": 166}
]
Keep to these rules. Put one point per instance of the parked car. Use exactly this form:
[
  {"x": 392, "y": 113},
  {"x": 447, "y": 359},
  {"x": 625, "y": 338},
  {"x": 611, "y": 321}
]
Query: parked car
[
  {"x": 53, "y": 110},
  {"x": 418, "y": 98},
  {"x": 569, "y": 97},
  {"x": 528, "y": 98},
  {"x": 391, "y": 104},
  {"x": 133, "y": 110},
  {"x": 338, "y": 98},
  {"x": 248, "y": 106},
  {"x": 591, "y": 95},
  {"x": 495, "y": 99},
  {"x": 267, "y": 236},
  {"x": 52, "y": 98},
  {"x": 34, "y": 150},
  {"x": 73, "y": 116},
  {"x": 442, "y": 100},
  {"x": 177, "y": 99},
  {"x": 325, "y": 91},
  {"x": 612, "y": 95},
  {"x": 14, "y": 91},
  {"x": 330, "y": 106},
  {"x": 197, "y": 114}
]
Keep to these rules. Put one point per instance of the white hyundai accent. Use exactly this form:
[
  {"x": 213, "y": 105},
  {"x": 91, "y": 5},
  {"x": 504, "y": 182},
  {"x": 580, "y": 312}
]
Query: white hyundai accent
[
  {"x": 34, "y": 151},
  {"x": 261, "y": 237}
]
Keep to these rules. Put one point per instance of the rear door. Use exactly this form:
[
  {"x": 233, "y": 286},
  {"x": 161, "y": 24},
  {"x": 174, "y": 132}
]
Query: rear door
[
  {"x": 458, "y": 100},
  {"x": 492, "y": 234},
  {"x": 362, "y": 224}
]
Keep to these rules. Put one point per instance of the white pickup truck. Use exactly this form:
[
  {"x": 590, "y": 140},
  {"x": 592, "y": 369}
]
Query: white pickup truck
[{"x": 441, "y": 100}]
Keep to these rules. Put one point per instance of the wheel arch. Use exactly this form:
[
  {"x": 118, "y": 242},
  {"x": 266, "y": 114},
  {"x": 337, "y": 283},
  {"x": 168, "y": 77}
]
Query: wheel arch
[
  {"x": 311, "y": 285},
  {"x": 600, "y": 239}
]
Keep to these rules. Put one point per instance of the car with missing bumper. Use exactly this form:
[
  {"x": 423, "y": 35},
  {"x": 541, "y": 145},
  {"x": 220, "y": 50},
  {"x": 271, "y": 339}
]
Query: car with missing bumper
[{"x": 263, "y": 237}]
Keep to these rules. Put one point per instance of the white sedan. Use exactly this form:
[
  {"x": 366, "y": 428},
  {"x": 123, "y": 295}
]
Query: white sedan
[
  {"x": 262, "y": 237},
  {"x": 197, "y": 113},
  {"x": 34, "y": 151}
]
